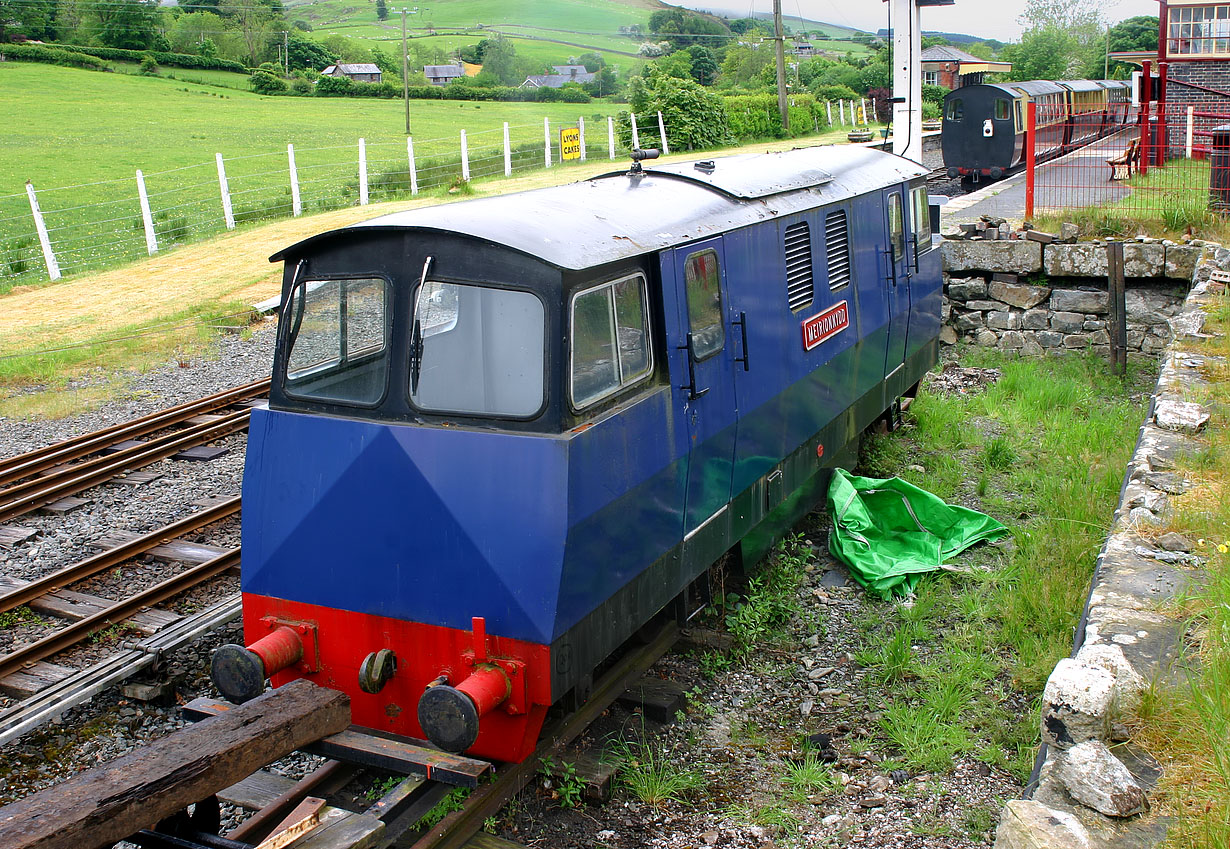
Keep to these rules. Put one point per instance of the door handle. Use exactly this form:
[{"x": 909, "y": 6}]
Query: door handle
[
  {"x": 742, "y": 322},
  {"x": 691, "y": 387}
]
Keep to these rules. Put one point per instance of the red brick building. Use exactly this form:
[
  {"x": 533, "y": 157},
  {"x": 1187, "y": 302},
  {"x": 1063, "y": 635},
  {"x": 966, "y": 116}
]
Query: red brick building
[{"x": 953, "y": 68}]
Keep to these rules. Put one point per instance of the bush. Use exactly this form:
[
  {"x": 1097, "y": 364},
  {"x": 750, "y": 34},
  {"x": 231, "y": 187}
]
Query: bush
[
  {"x": 52, "y": 56},
  {"x": 756, "y": 116},
  {"x": 162, "y": 57},
  {"x": 833, "y": 92},
  {"x": 149, "y": 66},
  {"x": 263, "y": 82}
]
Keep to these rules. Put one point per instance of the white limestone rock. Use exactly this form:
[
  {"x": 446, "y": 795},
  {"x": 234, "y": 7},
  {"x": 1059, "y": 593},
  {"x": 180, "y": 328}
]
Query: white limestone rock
[
  {"x": 1077, "y": 704},
  {"x": 1025, "y": 824},
  {"x": 1097, "y": 779}
]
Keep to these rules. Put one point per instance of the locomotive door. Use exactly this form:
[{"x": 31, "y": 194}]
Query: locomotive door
[
  {"x": 897, "y": 257},
  {"x": 704, "y": 388}
]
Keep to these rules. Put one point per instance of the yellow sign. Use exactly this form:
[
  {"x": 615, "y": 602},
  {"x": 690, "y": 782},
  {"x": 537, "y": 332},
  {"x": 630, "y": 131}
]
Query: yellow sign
[{"x": 570, "y": 143}]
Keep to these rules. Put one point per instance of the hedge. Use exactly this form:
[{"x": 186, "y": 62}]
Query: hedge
[
  {"x": 174, "y": 60},
  {"x": 51, "y": 56},
  {"x": 345, "y": 87},
  {"x": 755, "y": 116}
]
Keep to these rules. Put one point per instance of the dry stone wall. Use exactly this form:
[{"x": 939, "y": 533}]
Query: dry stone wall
[{"x": 1039, "y": 299}]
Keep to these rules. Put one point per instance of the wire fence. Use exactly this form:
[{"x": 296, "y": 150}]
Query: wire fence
[
  {"x": 1159, "y": 162},
  {"x": 48, "y": 232}
]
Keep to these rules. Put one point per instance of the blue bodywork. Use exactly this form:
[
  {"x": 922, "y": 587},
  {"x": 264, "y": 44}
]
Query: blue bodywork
[{"x": 574, "y": 527}]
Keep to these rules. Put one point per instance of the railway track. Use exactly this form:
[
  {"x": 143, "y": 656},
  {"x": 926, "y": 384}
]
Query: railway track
[
  {"x": 45, "y": 476},
  {"x": 137, "y": 797}
]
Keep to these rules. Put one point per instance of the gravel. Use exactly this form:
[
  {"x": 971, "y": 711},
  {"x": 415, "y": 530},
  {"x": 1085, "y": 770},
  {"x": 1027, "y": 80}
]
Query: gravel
[{"x": 741, "y": 729}]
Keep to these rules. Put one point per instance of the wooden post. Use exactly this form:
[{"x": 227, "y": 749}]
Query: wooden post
[
  {"x": 610, "y": 135},
  {"x": 581, "y": 127},
  {"x": 546, "y": 142},
  {"x": 151, "y": 239},
  {"x": 296, "y": 202},
  {"x": 507, "y": 153},
  {"x": 108, "y": 803},
  {"x": 465, "y": 157},
  {"x": 1118, "y": 308},
  {"x": 666, "y": 148},
  {"x": 414, "y": 174},
  {"x": 49, "y": 257},
  {"x": 363, "y": 172},
  {"x": 224, "y": 187},
  {"x": 636, "y": 136},
  {"x": 1031, "y": 123}
]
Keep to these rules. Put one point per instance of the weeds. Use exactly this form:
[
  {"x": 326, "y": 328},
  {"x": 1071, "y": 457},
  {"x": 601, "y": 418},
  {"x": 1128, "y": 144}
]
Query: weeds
[
  {"x": 454, "y": 800},
  {"x": 809, "y": 777},
  {"x": 649, "y": 775},
  {"x": 563, "y": 782}
]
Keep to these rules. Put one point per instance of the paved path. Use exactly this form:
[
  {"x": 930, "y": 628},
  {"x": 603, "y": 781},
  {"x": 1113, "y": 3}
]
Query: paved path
[{"x": 1082, "y": 178}]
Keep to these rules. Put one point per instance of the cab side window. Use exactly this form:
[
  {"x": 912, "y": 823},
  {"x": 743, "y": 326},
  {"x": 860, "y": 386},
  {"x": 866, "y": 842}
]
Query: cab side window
[{"x": 610, "y": 345}]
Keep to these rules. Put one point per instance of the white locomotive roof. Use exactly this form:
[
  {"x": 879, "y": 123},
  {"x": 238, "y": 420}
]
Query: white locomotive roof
[{"x": 619, "y": 215}]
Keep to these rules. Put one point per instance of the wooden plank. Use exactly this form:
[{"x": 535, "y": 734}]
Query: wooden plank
[
  {"x": 599, "y": 776},
  {"x": 256, "y": 791},
  {"x": 305, "y": 817},
  {"x": 657, "y": 699},
  {"x": 11, "y": 535},
  {"x": 204, "y": 418},
  {"x": 134, "y": 478},
  {"x": 34, "y": 679},
  {"x": 201, "y": 453},
  {"x": 349, "y": 831},
  {"x": 75, "y": 606},
  {"x": 65, "y": 505},
  {"x": 356, "y": 745},
  {"x": 175, "y": 551},
  {"x": 483, "y": 840},
  {"x": 108, "y": 803},
  {"x": 123, "y": 446}
]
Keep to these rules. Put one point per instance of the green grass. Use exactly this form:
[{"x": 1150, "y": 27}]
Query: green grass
[
  {"x": 651, "y": 775},
  {"x": 95, "y": 130},
  {"x": 1043, "y": 449}
]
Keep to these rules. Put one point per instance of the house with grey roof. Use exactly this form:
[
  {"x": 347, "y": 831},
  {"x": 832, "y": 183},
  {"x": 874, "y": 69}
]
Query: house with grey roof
[
  {"x": 563, "y": 74},
  {"x": 363, "y": 72},
  {"x": 952, "y": 68},
  {"x": 443, "y": 74}
]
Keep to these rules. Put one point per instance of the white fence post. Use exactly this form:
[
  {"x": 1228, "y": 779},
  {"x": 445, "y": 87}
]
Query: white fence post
[
  {"x": 507, "y": 153},
  {"x": 666, "y": 148},
  {"x": 151, "y": 240},
  {"x": 362, "y": 172},
  {"x": 296, "y": 204},
  {"x": 841, "y": 111},
  {"x": 610, "y": 135},
  {"x": 465, "y": 158},
  {"x": 546, "y": 141},
  {"x": 828, "y": 105},
  {"x": 414, "y": 174},
  {"x": 875, "y": 114},
  {"x": 863, "y": 105},
  {"x": 636, "y": 136},
  {"x": 1191, "y": 129},
  {"x": 53, "y": 267},
  {"x": 225, "y": 188},
  {"x": 581, "y": 126}
]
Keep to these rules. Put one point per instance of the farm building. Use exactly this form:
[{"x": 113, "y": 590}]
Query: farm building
[
  {"x": 443, "y": 74},
  {"x": 953, "y": 68},
  {"x": 563, "y": 74},
  {"x": 362, "y": 73}
]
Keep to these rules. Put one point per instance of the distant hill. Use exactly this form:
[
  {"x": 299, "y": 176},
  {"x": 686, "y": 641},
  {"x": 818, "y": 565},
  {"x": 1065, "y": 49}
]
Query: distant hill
[{"x": 953, "y": 37}]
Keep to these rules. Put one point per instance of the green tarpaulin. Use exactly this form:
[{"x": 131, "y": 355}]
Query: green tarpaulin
[{"x": 889, "y": 532}]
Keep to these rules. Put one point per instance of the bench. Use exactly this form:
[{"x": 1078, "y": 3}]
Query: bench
[{"x": 1127, "y": 160}]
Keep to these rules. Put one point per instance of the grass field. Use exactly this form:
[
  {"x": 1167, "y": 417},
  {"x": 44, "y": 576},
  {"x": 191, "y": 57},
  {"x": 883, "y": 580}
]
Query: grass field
[{"x": 94, "y": 130}]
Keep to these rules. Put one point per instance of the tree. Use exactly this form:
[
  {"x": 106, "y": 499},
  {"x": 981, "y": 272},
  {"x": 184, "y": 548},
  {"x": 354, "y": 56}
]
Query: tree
[
  {"x": 694, "y": 116},
  {"x": 1138, "y": 33},
  {"x": 29, "y": 18},
  {"x": 255, "y": 22},
  {"x": 306, "y": 54},
  {"x": 126, "y": 24},
  {"x": 191, "y": 30},
  {"x": 683, "y": 28},
  {"x": 1063, "y": 39},
  {"x": 382, "y": 10},
  {"x": 745, "y": 64},
  {"x": 500, "y": 60},
  {"x": 704, "y": 64},
  {"x": 603, "y": 83},
  {"x": 592, "y": 62}
]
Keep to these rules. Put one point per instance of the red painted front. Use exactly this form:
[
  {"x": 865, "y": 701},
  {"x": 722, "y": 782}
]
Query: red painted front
[{"x": 424, "y": 652}]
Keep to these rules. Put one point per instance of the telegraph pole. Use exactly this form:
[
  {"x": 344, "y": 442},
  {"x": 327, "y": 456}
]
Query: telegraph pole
[
  {"x": 780, "y": 40},
  {"x": 405, "y": 71}
]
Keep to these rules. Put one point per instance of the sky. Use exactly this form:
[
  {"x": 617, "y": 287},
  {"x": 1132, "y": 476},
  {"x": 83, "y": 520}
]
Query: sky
[{"x": 973, "y": 17}]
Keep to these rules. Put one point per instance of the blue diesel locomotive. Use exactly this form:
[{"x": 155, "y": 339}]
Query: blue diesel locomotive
[{"x": 505, "y": 433}]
